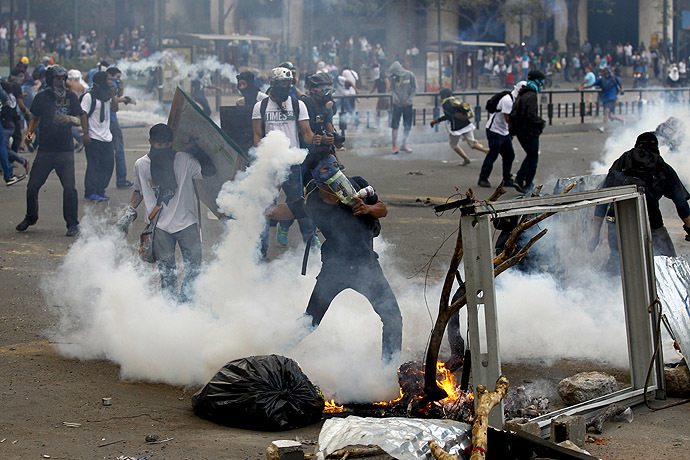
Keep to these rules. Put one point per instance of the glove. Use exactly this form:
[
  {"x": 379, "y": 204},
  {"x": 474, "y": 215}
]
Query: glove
[
  {"x": 433, "y": 122},
  {"x": 129, "y": 215},
  {"x": 130, "y": 100},
  {"x": 687, "y": 232}
]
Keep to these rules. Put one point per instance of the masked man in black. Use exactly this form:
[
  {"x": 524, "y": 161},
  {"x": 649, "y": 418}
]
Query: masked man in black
[
  {"x": 57, "y": 109},
  {"x": 644, "y": 167},
  {"x": 248, "y": 89},
  {"x": 346, "y": 210}
]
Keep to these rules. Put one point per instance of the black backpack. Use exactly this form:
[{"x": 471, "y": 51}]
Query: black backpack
[
  {"x": 492, "y": 104},
  {"x": 264, "y": 106},
  {"x": 93, "y": 103}
]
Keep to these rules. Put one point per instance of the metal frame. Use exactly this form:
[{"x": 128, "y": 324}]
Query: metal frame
[{"x": 637, "y": 274}]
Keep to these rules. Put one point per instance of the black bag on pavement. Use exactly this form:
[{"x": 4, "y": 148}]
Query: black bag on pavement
[{"x": 268, "y": 393}]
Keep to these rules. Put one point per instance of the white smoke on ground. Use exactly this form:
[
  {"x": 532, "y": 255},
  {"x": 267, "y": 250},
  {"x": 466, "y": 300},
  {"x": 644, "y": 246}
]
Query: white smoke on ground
[{"x": 110, "y": 306}]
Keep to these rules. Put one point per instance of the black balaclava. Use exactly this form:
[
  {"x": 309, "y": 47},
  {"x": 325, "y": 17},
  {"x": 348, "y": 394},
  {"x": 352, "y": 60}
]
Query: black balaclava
[
  {"x": 101, "y": 91},
  {"x": 162, "y": 163},
  {"x": 643, "y": 161},
  {"x": 251, "y": 91}
]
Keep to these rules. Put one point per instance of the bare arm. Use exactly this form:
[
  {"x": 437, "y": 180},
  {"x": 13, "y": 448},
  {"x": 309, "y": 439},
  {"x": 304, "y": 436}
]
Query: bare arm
[
  {"x": 379, "y": 209},
  {"x": 507, "y": 117},
  {"x": 258, "y": 128},
  {"x": 308, "y": 136},
  {"x": 85, "y": 129},
  {"x": 136, "y": 199},
  {"x": 114, "y": 104},
  {"x": 33, "y": 124}
]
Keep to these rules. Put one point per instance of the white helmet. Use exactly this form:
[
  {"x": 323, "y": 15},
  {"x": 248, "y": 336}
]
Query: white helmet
[{"x": 279, "y": 74}]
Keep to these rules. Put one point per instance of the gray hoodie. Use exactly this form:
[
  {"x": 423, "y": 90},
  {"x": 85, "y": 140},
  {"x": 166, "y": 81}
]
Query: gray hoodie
[{"x": 403, "y": 84}]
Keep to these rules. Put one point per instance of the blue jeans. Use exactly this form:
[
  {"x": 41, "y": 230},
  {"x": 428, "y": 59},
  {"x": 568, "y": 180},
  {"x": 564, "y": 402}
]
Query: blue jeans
[
  {"x": 164, "y": 251},
  {"x": 293, "y": 191},
  {"x": 119, "y": 146},
  {"x": 11, "y": 154},
  {"x": 4, "y": 158}
]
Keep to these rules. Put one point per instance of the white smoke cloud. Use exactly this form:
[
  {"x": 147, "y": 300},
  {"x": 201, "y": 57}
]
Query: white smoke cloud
[
  {"x": 177, "y": 72},
  {"x": 110, "y": 306},
  {"x": 623, "y": 138}
]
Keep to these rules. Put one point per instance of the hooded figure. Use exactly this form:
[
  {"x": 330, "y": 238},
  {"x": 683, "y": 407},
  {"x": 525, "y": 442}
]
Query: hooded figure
[
  {"x": 403, "y": 86},
  {"x": 247, "y": 87},
  {"x": 644, "y": 167},
  {"x": 101, "y": 91}
]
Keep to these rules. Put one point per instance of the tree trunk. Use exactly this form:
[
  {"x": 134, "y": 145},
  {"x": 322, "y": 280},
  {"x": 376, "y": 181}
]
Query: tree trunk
[{"x": 572, "y": 36}]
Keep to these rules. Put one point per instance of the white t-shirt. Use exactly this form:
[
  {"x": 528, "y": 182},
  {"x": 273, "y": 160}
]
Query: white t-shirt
[
  {"x": 181, "y": 210},
  {"x": 98, "y": 130},
  {"x": 285, "y": 122},
  {"x": 348, "y": 75},
  {"x": 497, "y": 122}
]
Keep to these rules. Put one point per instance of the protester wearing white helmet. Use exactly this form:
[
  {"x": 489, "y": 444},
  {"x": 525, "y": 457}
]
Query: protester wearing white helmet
[{"x": 284, "y": 113}]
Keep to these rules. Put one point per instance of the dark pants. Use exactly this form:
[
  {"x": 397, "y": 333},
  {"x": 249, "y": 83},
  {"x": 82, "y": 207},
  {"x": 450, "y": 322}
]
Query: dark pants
[
  {"x": 528, "y": 169},
  {"x": 293, "y": 189},
  {"x": 99, "y": 167},
  {"x": 119, "y": 146},
  {"x": 63, "y": 164},
  {"x": 17, "y": 136},
  {"x": 164, "y": 251},
  {"x": 368, "y": 280},
  {"x": 498, "y": 145}
]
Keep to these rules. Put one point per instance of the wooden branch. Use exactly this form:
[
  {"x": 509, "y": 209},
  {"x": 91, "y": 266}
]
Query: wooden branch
[
  {"x": 438, "y": 452},
  {"x": 486, "y": 400}
]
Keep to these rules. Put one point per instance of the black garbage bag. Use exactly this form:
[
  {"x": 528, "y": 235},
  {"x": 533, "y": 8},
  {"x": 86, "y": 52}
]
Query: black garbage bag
[{"x": 268, "y": 393}]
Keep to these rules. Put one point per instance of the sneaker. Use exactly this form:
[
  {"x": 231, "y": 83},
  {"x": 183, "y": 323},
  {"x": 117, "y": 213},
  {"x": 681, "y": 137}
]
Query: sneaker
[
  {"x": 104, "y": 197},
  {"x": 508, "y": 183},
  {"x": 405, "y": 149},
  {"x": 395, "y": 150},
  {"x": 93, "y": 197},
  {"x": 282, "y": 234},
  {"x": 465, "y": 163},
  {"x": 125, "y": 184},
  {"x": 14, "y": 179},
  {"x": 602, "y": 129},
  {"x": 72, "y": 230},
  {"x": 23, "y": 225},
  {"x": 518, "y": 186},
  {"x": 79, "y": 147},
  {"x": 26, "y": 166},
  {"x": 483, "y": 183}
]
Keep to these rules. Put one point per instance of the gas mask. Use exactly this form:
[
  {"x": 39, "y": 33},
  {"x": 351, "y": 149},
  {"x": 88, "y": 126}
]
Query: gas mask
[
  {"x": 328, "y": 173},
  {"x": 325, "y": 95}
]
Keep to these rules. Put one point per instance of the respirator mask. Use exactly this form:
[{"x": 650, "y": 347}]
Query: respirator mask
[
  {"x": 328, "y": 173},
  {"x": 280, "y": 92}
]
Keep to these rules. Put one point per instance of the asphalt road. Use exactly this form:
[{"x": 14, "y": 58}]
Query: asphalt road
[{"x": 39, "y": 389}]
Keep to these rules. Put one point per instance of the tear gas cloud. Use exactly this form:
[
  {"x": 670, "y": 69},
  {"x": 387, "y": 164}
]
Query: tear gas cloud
[
  {"x": 177, "y": 72},
  {"x": 110, "y": 306}
]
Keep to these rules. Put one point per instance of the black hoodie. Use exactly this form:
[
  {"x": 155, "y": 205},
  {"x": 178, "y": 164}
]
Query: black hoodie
[{"x": 524, "y": 118}]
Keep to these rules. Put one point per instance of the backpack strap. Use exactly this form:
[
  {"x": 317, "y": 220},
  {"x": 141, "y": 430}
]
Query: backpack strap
[{"x": 262, "y": 110}]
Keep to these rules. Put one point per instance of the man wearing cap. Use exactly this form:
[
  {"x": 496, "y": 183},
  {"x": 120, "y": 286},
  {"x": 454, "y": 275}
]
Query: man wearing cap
[
  {"x": 527, "y": 126},
  {"x": 164, "y": 178}
]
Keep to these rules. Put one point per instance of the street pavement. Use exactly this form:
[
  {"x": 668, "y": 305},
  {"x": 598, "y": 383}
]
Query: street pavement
[{"x": 39, "y": 389}]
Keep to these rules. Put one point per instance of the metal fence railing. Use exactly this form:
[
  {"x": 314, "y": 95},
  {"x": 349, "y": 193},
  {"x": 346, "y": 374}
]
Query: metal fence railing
[{"x": 554, "y": 105}]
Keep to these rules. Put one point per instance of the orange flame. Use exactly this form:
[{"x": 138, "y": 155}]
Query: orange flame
[
  {"x": 332, "y": 407},
  {"x": 383, "y": 403},
  {"x": 448, "y": 382}
]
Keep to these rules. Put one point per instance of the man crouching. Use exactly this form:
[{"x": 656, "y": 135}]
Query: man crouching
[{"x": 346, "y": 210}]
